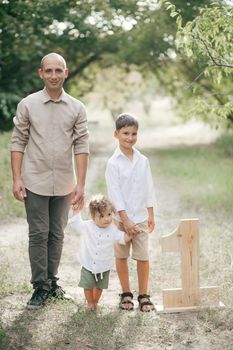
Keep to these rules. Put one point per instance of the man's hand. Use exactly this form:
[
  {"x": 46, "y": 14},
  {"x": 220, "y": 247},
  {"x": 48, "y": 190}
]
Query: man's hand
[
  {"x": 18, "y": 190},
  {"x": 77, "y": 198}
]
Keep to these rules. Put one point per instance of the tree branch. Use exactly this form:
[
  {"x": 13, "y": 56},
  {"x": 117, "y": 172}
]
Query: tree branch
[
  {"x": 213, "y": 59},
  {"x": 83, "y": 65}
]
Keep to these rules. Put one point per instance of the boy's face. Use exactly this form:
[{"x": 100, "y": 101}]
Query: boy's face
[
  {"x": 127, "y": 137},
  {"x": 103, "y": 220}
]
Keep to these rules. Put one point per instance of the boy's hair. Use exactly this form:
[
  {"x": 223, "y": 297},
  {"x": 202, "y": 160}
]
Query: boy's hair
[
  {"x": 126, "y": 119},
  {"x": 99, "y": 204}
]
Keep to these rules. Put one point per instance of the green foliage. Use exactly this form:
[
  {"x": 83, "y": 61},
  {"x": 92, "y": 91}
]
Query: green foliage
[
  {"x": 107, "y": 32},
  {"x": 187, "y": 46},
  {"x": 204, "y": 63},
  {"x": 81, "y": 31}
]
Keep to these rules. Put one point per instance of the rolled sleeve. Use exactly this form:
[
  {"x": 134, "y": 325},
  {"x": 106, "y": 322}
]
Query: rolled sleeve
[
  {"x": 20, "y": 133},
  {"x": 81, "y": 134}
]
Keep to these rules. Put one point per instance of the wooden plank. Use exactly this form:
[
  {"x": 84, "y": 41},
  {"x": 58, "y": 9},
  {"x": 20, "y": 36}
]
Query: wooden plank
[
  {"x": 185, "y": 239},
  {"x": 161, "y": 309},
  {"x": 188, "y": 235},
  {"x": 174, "y": 297}
]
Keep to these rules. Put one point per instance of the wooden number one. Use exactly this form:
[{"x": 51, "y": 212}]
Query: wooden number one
[{"x": 185, "y": 239}]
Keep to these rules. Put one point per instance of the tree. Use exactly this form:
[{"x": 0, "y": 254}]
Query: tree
[
  {"x": 204, "y": 46},
  {"x": 95, "y": 33},
  {"x": 81, "y": 31}
]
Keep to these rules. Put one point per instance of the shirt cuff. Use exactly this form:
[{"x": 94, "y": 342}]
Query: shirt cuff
[
  {"x": 17, "y": 148},
  {"x": 74, "y": 218}
]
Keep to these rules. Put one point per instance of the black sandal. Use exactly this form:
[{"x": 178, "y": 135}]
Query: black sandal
[
  {"x": 126, "y": 298},
  {"x": 145, "y": 302}
]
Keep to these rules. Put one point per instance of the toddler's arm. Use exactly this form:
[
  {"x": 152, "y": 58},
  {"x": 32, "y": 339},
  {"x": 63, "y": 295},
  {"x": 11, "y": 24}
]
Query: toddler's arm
[{"x": 76, "y": 220}]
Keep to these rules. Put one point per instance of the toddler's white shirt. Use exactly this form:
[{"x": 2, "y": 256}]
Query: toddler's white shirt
[
  {"x": 96, "y": 251},
  {"x": 130, "y": 185}
]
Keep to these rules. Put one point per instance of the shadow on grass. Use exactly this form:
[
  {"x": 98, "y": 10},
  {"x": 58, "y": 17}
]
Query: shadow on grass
[
  {"x": 103, "y": 330},
  {"x": 19, "y": 335}
]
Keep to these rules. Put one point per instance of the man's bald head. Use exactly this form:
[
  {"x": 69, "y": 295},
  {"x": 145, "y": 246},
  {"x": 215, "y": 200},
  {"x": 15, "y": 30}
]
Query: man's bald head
[{"x": 53, "y": 56}]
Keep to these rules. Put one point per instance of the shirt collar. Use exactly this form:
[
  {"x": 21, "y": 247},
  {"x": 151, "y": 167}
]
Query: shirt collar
[
  {"x": 119, "y": 153},
  {"x": 46, "y": 98}
]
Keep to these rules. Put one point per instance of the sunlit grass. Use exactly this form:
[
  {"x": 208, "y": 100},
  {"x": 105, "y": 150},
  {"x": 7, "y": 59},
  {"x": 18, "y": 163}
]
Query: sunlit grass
[
  {"x": 9, "y": 206},
  {"x": 202, "y": 174}
]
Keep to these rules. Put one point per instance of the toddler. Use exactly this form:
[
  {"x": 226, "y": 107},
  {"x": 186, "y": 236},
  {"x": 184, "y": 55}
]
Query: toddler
[{"x": 96, "y": 253}]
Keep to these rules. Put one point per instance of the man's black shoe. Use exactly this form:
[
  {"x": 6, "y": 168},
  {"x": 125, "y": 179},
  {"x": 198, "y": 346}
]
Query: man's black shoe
[
  {"x": 58, "y": 293},
  {"x": 38, "y": 299}
]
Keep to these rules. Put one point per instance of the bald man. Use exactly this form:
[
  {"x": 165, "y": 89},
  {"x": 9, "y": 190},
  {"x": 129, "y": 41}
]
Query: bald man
[{"x": 50, "y": 130}]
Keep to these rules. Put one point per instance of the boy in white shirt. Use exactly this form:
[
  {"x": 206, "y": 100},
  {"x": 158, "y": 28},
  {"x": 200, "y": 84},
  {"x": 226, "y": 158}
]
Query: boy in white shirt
[
  {"x": 130, "y": 189},
  {"x": 96, "y": 252}
]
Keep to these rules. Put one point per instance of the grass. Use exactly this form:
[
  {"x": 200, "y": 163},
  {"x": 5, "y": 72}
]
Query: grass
[
  {"x": 202, "y": 174},
  {"x": 9, "y": 206},
  {"x": 2, "y": 337}
]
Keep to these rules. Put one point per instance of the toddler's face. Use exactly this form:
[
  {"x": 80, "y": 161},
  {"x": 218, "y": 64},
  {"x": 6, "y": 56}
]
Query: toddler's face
[
  {"x": 104, "y": 219},
  {"x": 127, "y": 136}
]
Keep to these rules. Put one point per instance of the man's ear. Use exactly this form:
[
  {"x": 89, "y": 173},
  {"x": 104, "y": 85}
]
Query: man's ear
[
  {"x": 66, "y": 72},
  {"x": 40, "y": 72},
  {"x": 116, "y": 133}
]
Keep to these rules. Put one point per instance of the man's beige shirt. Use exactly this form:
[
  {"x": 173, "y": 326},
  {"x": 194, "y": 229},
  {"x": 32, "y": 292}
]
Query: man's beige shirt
[{"x": 49, "y": 133}]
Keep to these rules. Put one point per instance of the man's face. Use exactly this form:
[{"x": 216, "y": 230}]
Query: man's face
[
  {"x": 127, "y": 137},
  {"x": 53, "y": 73}
]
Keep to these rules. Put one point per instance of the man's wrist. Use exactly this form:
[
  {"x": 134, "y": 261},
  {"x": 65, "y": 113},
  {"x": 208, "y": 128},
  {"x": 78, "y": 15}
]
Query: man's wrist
[{"x": 17, "y": 178}]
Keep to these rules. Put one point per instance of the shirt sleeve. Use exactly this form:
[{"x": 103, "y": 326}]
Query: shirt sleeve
[
  {"x": 77, "y": 222},
  {"x": 81, "y": 134},
  {"x": 150, "y": 193},
  {"x": 113, "y": 186},
  {"x": 20, "y": 133}
]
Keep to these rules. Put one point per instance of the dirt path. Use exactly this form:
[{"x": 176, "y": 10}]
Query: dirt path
[{"x": 52, "y": 324}]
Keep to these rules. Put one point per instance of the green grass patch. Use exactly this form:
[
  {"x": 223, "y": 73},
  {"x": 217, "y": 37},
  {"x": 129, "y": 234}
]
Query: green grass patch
[
  {"x": 202, "y": 174},
  {"x": 9, "y": 206},
  {"x": 3, "y": 338}
]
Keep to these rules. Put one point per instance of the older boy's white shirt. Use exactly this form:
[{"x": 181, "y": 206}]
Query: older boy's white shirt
[
  {"x": 130, "y": 185},
  {"x": 96, "y": 250}
]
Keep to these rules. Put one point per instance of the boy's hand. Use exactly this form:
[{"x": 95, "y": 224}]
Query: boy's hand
[
  {"x": 127, "y": 237},
  {"x": 150, "y": 220},
  {"x": 151, "y": 223},
  {"x": 130, "y": 228}
]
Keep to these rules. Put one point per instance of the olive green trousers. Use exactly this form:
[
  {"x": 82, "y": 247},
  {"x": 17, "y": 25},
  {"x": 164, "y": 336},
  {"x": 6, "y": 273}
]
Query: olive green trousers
[{"x": 47, "y": 218}]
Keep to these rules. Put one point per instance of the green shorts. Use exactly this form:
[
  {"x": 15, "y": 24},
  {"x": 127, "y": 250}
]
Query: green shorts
[{"x": 89, "y": 280}]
